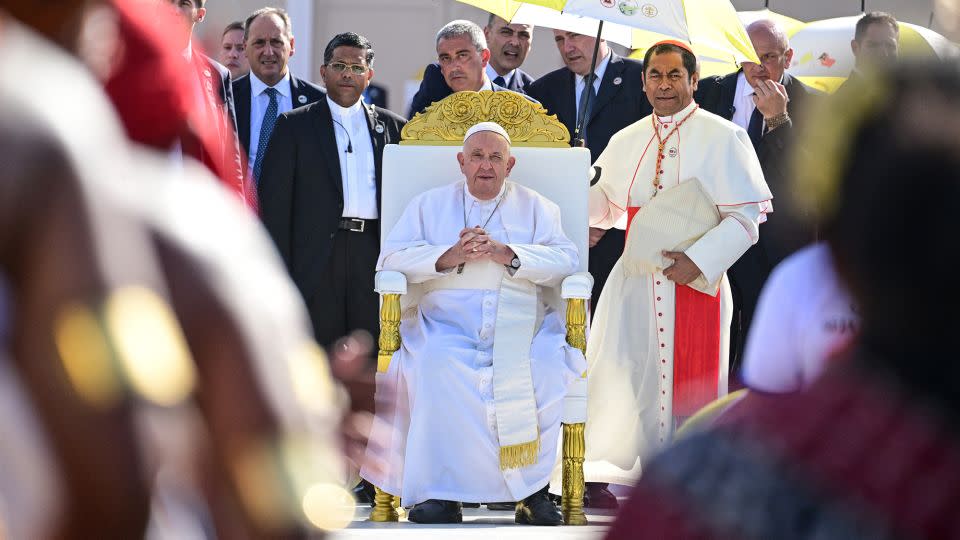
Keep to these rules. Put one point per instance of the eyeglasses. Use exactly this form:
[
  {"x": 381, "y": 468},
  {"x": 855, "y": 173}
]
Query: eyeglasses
[{"x": 340, "y": 67}]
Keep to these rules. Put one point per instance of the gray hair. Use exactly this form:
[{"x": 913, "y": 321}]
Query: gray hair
[{"x": 460, "y": 27}]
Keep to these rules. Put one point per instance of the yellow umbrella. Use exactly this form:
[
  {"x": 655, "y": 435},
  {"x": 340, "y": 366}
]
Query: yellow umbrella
[
  {"x": 714, "y": 62},
  {"x": 710, "y": 24},
  {"x": 789, "y": 24}
]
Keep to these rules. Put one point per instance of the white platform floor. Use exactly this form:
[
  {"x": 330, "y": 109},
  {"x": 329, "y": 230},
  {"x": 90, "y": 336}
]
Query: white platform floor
[{"x": 477, "y": 523}]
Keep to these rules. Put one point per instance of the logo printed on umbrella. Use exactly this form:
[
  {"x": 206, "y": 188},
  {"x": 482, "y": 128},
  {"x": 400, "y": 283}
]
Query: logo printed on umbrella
[
  {"x": 628, "y": 7},
  {"x": 608, "y": 3},
  {"x": 826, "y": 60},
  {"x": 650, "y": 10}
]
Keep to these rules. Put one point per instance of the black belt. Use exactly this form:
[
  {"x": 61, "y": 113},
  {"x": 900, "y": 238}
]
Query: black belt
[{"x": 356, "y": 224}]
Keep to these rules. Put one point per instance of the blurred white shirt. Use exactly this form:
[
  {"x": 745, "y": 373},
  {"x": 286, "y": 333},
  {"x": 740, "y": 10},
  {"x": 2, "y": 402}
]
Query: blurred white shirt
[{"x": 804, "y": 316}]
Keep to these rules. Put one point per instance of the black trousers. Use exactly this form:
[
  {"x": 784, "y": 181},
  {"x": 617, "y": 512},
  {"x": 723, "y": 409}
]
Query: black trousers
[
  {"x": 346, "y": 300},
  {"x": 602, "y": 258}
]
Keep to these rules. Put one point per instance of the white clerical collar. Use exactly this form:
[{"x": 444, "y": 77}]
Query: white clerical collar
[
  {"x": 492, "y": 74},
  {"x": 283, "y": 86},
  {"x": 680, "y": 115},
  {"x": 345, "y": 112},
  {"x": 469, "y": 200},
  {"x": 188, "y": 52},
  {"x": 601, "y": 69}
]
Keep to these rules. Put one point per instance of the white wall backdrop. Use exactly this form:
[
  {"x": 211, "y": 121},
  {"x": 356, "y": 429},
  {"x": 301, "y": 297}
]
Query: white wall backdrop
[{"x": 402, "y": 31}]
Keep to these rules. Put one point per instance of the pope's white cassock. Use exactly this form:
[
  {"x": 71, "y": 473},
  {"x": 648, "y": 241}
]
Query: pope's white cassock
[
  {"x": 657, "y": 350},
  {"x": 466, "y": 385}
]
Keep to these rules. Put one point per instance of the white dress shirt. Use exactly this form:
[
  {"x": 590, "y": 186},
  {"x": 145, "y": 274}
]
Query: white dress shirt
[
  {"x": 357, "y": 168},
  {"x": 581, "y": 82},
  {"x": 492, "y": 74},
  {"x": 259, "y": 101},
  {"x": 743, "y": 104}
]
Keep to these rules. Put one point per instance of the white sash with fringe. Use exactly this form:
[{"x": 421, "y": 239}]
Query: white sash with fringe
[{"x": 516, "y": 406}]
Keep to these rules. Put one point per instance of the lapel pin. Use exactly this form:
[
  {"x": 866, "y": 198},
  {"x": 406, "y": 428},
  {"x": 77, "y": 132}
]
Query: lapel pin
[
  {"x": 379, "y": 128},
  {"x": 617, "y": 81},
  {"x": 302, "y": 99}
]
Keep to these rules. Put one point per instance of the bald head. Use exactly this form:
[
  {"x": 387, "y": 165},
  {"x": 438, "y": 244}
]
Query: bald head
[
  {"x": 770, "y": 30},
  {"x": 773, "y": 49}
]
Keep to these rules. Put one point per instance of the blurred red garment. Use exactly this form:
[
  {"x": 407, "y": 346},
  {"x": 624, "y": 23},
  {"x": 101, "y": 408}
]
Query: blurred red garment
[
  {"x": 165, "y": 99},
  {"x": 856, "y": 455}
]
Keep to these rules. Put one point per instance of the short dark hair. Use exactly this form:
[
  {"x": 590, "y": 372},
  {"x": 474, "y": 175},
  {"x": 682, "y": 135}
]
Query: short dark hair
[
  {"x": 874, "y": 17},
  {"x": 689, "y": 59},
  {"x": 200, "y": 3},
  {"x": 490, "y": 20},
  {"x": 235, "y": 25},
  {"x": 349, "y": 39},
  {"x": 279, "y": 12}
]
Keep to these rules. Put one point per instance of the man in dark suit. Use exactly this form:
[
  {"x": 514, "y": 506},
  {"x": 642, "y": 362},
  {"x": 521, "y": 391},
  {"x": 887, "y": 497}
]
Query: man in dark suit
[
  {"x": 875, "y": 43},
  {"x": 320, "y": 192},
  {"x": 213, "y": 139},
  {"x": 270, "y": 89},
  {"x": 618, "y": 101},
  {"x": 495, "y": 66},
  {"x": 766, "y": 101}
]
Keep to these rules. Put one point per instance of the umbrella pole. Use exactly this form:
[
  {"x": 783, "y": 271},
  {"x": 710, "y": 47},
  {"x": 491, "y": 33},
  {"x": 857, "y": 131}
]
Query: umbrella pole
[
  {"x": 863, "y": 6},
  {"x": 577, "y": 139}
]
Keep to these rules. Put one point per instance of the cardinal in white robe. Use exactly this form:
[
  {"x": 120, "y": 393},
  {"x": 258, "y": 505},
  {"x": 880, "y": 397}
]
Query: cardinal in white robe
[
  {"x": 484, "y": 364},
  {"x": 658, "y": 345}
]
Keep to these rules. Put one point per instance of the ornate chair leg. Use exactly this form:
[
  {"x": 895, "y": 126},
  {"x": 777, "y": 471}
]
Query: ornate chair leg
[
  {"x": 573, "y": 486},
  {"x": 574, "y": 445},
  {"x": 385, "y": 507},
  {"x": 384, "y": 504},
  {"x": 389, "y": 331}
]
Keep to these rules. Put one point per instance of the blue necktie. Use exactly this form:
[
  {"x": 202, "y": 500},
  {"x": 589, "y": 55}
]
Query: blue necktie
[
  {"x": 499, "y": 81},
  {"x": 583, "y": 108},
  {"x": 755, "y": 128},
  {"x": 266, "y": 128}
]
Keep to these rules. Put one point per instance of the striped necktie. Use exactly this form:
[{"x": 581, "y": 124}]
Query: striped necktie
[{"x": 266, "y": 129}]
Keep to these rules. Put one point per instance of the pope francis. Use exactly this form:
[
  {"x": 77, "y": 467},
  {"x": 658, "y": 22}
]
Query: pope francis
[
  {"x": 484, "y": 365},
  {"x": 692, "y": 188}
]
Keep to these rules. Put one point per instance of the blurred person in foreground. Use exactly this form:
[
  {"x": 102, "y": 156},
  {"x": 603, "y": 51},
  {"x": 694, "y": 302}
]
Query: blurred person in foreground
[
  {"x": 231, "y": 53},
  {"x": 872, "y": 448},
  {"x": 658, "y": 346},
  {"x": 484, "y": 365},
  {"x": 181, "y": 240}
]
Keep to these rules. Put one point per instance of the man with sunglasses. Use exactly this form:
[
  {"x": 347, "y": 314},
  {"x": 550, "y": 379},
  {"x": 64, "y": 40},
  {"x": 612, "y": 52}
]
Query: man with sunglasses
[
  {"x": 320, "y": 192},
  {"x": 767, "y": 102},
  {"x": 270, "y": 89}
]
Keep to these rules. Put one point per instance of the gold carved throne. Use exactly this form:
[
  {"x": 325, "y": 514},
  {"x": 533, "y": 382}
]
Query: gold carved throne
[{"x": 545, "y": 163}]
